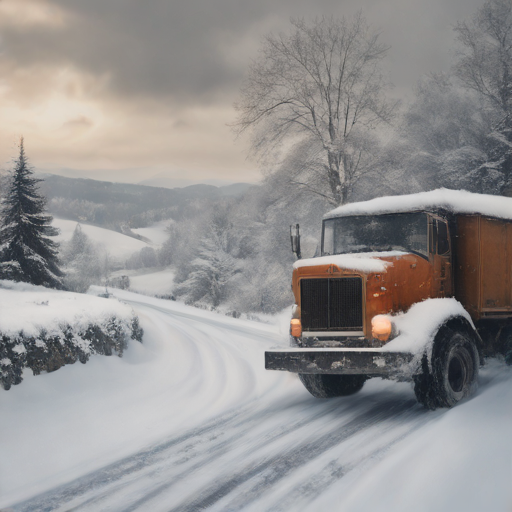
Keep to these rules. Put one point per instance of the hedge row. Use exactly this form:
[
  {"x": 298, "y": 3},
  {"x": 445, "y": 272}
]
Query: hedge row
[{"x": 48, "y": 351}]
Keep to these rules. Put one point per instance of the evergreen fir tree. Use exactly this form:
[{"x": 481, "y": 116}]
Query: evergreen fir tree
[{"x": 26, "y": 252}]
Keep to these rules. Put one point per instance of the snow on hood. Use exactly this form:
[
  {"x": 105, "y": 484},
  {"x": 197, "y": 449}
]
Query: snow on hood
[
  {"x": 456, "y": 201},
  {"x": 363, "y": 262}
]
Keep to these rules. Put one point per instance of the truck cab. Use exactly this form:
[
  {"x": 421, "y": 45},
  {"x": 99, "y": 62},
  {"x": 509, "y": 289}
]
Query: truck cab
[{"x": 375, "y": 264}]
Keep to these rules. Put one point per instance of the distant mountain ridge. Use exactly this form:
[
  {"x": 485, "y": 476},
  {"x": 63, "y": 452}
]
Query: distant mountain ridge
[{"x": 113, "y": 205}]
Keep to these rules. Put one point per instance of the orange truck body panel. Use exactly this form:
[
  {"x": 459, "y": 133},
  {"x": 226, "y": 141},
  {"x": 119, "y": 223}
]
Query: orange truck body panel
[
  {"x": 483, "y": 270},
  {"x": 481, "y": 280}
]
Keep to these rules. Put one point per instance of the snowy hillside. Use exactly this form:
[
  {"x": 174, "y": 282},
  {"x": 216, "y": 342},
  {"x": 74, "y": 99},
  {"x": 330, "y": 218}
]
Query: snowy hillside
[
  {"x": 118, "y": 245},
  {"x": 156, "y": 234},
  {"x": 194, "y": 422}
]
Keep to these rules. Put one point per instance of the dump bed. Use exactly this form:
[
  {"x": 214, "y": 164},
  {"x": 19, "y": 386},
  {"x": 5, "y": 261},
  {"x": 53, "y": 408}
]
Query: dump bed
[{"x": 483, "y": 265}]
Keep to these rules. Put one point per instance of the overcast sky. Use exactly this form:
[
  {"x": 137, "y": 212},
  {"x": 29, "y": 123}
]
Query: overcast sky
[{"x": 124, "y": 90}]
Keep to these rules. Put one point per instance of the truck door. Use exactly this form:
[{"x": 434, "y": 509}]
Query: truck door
[{"x": 440, "y": 257}]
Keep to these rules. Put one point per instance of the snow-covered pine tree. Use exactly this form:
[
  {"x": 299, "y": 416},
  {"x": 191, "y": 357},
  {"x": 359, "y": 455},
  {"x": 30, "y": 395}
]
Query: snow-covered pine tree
[
  {"x": 81, "y": 262},
  {"x": 26, "y": 252}
]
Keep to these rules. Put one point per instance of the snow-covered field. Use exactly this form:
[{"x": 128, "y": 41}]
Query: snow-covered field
[
  {"x": 190, "y": 420},
  {"x": 119, "y": 246},
  {"x": 156, "y": 233},
  {"x": 153, "y": 283}
]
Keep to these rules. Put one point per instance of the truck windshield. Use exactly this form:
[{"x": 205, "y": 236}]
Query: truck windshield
[{"x": 391, "y": 232}]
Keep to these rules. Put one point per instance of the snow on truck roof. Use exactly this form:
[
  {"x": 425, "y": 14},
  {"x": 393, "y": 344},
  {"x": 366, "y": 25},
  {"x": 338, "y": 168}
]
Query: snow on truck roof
[{"x": 455, "y": 201}]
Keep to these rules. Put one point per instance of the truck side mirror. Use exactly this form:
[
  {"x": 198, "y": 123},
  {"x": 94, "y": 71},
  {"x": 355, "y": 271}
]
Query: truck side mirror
[{"x": 295, "y": 239}]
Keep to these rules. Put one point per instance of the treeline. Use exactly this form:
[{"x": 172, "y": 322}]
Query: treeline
[{"x": 120, "y": 205}]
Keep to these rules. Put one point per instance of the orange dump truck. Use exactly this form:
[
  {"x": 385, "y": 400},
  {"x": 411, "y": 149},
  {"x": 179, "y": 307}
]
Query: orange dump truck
[{"x": 415, "y": 287}]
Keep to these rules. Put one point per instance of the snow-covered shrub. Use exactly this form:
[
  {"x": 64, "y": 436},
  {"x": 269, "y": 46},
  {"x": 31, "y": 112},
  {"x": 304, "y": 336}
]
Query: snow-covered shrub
[
  {"x": 145, "y": 258},
  {"x": 44, "y": 329},
  {"x": 82, "y": 262}
]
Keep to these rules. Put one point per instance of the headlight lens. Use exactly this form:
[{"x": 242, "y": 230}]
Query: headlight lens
[{"x": 381, "y": 327}]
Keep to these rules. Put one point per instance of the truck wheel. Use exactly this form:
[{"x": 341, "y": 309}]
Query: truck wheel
[
  {"x": 454, "y": 371},
  {"x": 329, "y": 386}
]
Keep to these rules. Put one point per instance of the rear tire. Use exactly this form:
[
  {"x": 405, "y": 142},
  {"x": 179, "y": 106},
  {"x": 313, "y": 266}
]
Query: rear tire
[
  {"x": 454, "y": 371},
  {"x": 329, "y": 386}
]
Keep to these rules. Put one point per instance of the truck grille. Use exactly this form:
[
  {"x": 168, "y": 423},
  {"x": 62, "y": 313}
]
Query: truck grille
[{"x": 332, "y": 304}]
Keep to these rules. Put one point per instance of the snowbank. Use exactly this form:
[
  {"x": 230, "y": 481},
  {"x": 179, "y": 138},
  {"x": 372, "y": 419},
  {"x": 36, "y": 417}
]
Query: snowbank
[
  {"x": 44, "y": 329},
  {"x": 362, "y": 262},
  {"x": 456, "y": 201}
]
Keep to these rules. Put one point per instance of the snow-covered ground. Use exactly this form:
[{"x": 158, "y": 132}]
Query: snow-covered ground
[
  {"x": 119, "y": 246},
  {"x": 190, "y": 420},
  {"x": 32, "y": 309},
  {"x": 152, "y": 283},
  {"x": 156, "y": 233}
]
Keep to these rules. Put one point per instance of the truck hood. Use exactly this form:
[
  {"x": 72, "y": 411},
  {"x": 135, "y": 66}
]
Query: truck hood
[{"x": 367, "y": 262}]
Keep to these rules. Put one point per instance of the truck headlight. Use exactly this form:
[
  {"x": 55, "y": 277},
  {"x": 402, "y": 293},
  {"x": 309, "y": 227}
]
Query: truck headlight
[
  {"x": 381, "y": 327},
  {"x": 295, "y": 327}
]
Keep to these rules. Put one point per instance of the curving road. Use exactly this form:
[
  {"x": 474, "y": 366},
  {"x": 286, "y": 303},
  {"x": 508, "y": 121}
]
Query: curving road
[{"x": 251, "y": 440}]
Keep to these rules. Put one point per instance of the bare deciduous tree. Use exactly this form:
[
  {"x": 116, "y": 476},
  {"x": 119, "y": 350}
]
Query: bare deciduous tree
[
  {"x": 320, "y": 85},
  {"x": 485, "y": 66}
]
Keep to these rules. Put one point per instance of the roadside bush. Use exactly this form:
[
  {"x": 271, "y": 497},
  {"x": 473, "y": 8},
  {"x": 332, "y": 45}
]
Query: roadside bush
[{"x": 49, "y": 351}]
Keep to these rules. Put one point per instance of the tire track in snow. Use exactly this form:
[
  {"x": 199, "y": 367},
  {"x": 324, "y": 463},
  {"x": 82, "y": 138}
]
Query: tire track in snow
[
  {"x": 224, "y": 434},
  {"x": 234, "y": 459}
]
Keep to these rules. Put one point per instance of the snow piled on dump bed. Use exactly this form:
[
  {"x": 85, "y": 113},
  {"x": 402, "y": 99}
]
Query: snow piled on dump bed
[
  {"x": 456, "y": 201},
  {"x": 31, "y": 309},
  {"x": 363, "y": 262}
]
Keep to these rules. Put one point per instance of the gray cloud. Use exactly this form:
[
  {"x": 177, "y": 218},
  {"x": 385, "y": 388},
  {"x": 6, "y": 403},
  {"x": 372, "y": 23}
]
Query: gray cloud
[
  {"x": 136, "y": 87},
  {"x": 184, "y": 49}
]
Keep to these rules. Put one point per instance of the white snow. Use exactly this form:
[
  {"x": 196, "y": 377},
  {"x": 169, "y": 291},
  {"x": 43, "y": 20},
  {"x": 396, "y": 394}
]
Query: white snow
[
  {"x": 61, "y": 425},
  {"x": 28, "y": 308},
  {"x": 117, "y": 245},
  {"x": 153, "y": 283},
  {"x": 271, "y": 447},
  {"x": 456, "y": 201},
  {"x": 362, "y": 262},
  {"x": 418, "y": 326},
  {"x": 156, "y": 233},
  {"x": 460, "y": 461}
]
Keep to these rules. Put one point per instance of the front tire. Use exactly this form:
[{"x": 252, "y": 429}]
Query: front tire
[
  {"x": 330, "y": 386},
  {"x": 454, "y": 371}
]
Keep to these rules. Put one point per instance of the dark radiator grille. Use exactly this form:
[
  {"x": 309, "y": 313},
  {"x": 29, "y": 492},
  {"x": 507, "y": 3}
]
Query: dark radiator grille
[{"x": 332, "y": 304}]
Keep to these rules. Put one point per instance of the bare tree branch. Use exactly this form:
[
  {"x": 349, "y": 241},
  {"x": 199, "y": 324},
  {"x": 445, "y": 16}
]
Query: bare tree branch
[{"x": 321, "y": 80}]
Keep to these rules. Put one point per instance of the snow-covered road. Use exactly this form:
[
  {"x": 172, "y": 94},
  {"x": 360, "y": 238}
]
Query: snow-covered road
[{"x": 198, "y": 424}]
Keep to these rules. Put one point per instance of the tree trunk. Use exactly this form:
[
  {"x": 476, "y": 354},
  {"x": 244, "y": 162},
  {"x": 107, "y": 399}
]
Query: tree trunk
[
  {"x": 337, "y": 187},
  {"x": 506, "y": 166}
]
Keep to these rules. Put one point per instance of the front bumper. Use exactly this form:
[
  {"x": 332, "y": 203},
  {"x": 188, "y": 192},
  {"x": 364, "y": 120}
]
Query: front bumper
[{"x": 342, "y": 361}]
